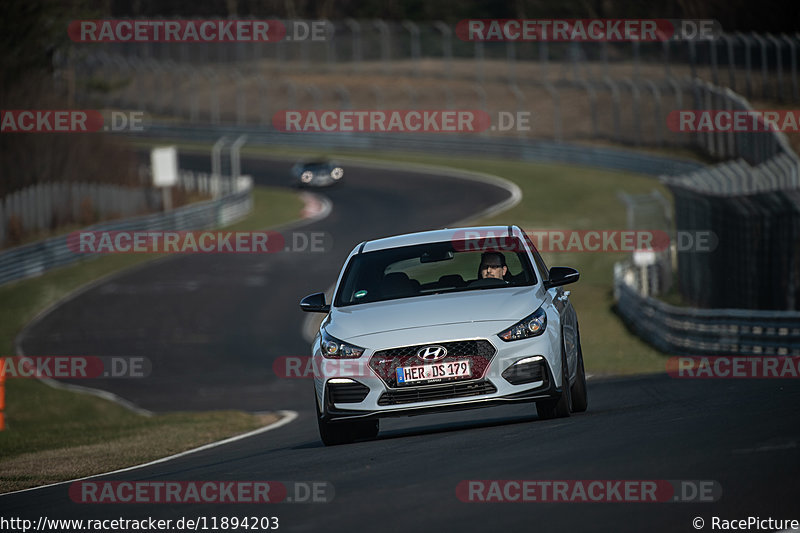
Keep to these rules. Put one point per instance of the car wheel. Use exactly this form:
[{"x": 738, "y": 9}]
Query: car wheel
[
  {"x": 580, "y": 396},
  {"x": 560, "y": 407},
  {"x": 335, "y": 433}
]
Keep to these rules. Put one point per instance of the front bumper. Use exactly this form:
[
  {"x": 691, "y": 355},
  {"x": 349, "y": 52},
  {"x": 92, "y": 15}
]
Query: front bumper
[{"x": 360, "y": 390}]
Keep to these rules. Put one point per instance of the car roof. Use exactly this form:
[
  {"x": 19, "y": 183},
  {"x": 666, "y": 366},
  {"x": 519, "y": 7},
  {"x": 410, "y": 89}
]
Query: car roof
[{"x": 442, "y": 235}]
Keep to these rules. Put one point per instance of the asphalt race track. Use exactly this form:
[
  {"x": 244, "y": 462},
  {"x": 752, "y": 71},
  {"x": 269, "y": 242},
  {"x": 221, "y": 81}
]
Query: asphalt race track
[{"x": 213, "y": 324}]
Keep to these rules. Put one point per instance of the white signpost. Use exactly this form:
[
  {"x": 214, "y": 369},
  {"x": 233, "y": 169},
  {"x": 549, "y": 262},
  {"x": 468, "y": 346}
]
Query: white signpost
[{"x": 164, "y": 163}]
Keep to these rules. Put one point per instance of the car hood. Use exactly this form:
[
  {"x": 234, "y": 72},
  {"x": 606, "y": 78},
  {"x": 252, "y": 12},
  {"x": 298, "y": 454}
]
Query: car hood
[{"x": 507, "y": 305}]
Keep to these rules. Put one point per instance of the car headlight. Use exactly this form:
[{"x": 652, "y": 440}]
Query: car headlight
[
  {"x": 306, "y": 176},
  {"x": 530, "y": 326},
  {"x": 333, "y": 348},
  {"x": 337, "y": 173}
]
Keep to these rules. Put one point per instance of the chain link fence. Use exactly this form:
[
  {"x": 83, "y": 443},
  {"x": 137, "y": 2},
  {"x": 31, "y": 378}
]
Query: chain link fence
[{"x": 36, "y": 258}]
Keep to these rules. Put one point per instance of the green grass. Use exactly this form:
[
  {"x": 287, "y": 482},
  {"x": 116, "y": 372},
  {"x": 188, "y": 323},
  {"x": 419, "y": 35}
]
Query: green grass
[{"x": 54, "y": 434}]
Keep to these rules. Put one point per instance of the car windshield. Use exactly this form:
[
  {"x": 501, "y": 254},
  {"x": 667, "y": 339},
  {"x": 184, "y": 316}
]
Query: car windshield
[
  {"x": 432, "y": 268},
  {"x": 316, "y": 167}
]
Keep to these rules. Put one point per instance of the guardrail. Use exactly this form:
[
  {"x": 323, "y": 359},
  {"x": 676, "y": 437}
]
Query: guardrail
[
  {"x": 34, "y": 259},
  {"x": 683, "y": 330},
  {"x": 41, "y": 206},
  {"x": 525, "y": 149}
]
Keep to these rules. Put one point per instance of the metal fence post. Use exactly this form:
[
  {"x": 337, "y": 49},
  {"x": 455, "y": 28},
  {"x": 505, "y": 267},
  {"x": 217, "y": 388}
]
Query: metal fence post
[
  {"x": 447, "y": 46},
  {"x": 241, "y": 97},
  {"x": 481, "y": 92},
  {"x": 793, "y": 63},
  {"x": 637, "y": 115},
  {"x": 615, "y": 113},
  {"x": 291, "y": 93},
  {"x": 592, "y": 95},
  {"x": 747, "y": 65},
  {"x": 194, "y": 105},
  {"x": 411, "y": 92},
  {"x": 710, "y": 145},
  {"x": 658, "y": 112},
  {"x": 216, "y": 158},
  {"x": 236, "y": 162},
  {"x": 731, "y": 61},
  {"x": 520, "y": 98},
  {"x": 558, "y": 128},
  {"x": 712, "y": 49},
  {"x": 378, "y": 94},
  {"x": 214, "y": 94},
  {"x": 731, "y": 137},
  {"x": 692, "y": 59},
  {"x": 511, "y": 61},
  {"x": 779, "y": 90},
  {"x": 355, "y": 31},
  {"x": 263, "y": 92},
  {"x": 316, "y": 95},
  {"x": 676, "y": 87},
  {"x": 763, "y": 44},
  {"x": 479, "y": 62},
  {"x": 330, "y": 32},
  {"x": 383, "y": 30},
  {"x": 544, "y": 57},
  {"x": 448, "y": 97},
  {"x": 344, "y": 96},
  {"x": 413, "y": 31}
]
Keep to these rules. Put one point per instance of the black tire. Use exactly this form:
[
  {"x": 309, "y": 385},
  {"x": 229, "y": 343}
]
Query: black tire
[
  {"x": 580, "y": 395},
  {"x": 559, "y": 407},
  {"x": 336, "y": 433}
]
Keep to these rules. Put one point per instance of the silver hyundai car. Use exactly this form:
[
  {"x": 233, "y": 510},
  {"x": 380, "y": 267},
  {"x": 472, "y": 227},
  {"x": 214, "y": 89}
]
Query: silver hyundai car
[{"x": 444, "y": 320}]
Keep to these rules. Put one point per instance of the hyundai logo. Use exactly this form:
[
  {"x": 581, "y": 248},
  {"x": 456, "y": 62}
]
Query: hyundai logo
[{"x": 432, "y": 353}]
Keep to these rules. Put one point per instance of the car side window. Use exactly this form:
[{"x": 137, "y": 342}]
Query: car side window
[{"x": 540, "y": 264}]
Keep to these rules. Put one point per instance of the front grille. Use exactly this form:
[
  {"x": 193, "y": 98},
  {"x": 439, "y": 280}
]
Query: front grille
[
  {"x": 347, "y": 392},
  {"x": 436, "y": 392},
  {"x": 386, "y": 362},
  {"x": 456, "y": 349}
]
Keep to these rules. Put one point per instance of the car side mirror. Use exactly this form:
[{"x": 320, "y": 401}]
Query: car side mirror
[
  {"x": 561, "y": 276},
  {"x": 315, "y": 303}
]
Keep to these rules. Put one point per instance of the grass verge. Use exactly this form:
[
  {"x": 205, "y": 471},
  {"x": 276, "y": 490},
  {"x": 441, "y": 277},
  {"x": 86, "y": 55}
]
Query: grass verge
[{"x": 53, "y": 435}]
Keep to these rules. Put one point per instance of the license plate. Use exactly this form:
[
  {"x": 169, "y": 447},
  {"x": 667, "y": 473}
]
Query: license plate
[{"x": 452, "y": 369}]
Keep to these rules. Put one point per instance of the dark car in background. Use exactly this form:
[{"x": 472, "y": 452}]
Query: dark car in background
[{"x": 317, "y": 173}]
